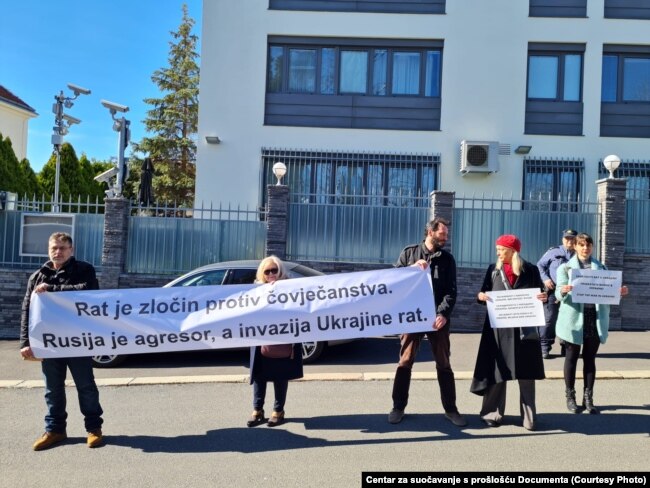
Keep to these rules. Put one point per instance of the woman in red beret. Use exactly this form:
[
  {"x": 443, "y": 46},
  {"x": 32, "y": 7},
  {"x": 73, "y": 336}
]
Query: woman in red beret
[{"x": 506, "y": 354}]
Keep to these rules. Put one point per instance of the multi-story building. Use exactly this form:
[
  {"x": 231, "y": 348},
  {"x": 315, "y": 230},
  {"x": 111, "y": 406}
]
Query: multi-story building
[{"x": 376, "y": 97}]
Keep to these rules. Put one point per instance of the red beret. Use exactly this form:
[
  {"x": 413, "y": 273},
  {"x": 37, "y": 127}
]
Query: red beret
[{"x": 509, "y": 240}]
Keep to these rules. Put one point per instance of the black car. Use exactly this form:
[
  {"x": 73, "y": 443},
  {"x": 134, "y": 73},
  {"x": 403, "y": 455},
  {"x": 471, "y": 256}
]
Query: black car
[{"x": 234, "y": 273}]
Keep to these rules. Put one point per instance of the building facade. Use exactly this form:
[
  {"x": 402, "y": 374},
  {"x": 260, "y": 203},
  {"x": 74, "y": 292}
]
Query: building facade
[
  {"x": 376, "y": 98},
  {"x": 14, "y": 120}
]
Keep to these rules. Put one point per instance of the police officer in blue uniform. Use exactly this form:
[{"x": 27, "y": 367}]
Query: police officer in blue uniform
[{"x": 547, "y": 266}]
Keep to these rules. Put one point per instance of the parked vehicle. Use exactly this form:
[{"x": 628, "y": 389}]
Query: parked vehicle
[{"x": 233, "y": 273}]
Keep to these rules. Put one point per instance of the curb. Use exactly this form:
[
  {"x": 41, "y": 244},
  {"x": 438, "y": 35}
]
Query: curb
[{"x": 243, "y": 378}]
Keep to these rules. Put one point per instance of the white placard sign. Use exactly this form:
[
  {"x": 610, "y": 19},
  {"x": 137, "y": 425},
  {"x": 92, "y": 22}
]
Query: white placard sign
[
  {"x": 128, "y": 321},
  {"x": 515, "y": 308},
  {"x": 598, "y": 286}
]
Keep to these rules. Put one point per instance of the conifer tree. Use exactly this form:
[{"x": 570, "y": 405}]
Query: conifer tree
[{"x": 173, "y": 119}]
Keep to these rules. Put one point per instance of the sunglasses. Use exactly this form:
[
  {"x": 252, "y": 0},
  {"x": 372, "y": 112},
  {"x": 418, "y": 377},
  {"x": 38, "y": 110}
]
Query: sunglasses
[{"x": 270, "y": 271}]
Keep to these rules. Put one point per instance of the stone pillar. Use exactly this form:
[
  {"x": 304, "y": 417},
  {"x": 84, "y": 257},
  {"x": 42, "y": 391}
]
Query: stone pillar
[
  {"x": 276, "y": 220},
  {"x": 116, "y": 226},
  {"x": 611, "y": 197},
  {"x": 442, "y": 205}
]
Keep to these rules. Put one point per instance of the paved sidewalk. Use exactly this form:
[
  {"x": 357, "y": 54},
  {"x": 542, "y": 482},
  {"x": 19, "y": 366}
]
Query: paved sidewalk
[{"x": 625, "y": 356}]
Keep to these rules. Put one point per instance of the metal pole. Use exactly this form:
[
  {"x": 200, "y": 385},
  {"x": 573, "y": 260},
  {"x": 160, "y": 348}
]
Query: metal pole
[{"x": 55, "y": 205}]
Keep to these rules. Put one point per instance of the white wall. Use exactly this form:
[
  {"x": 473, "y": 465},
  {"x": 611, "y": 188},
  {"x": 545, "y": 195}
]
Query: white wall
[
  {"x": 483, "y": 90},
  {"x": 14, "y": 124}
]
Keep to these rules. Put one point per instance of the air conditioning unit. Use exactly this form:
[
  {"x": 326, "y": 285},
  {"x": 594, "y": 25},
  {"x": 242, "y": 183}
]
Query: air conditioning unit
[{"x": 479, "y": 157}]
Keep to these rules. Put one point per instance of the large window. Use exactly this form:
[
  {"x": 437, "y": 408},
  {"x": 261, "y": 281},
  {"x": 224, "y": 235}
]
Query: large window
[
  {"x": 396, "y": 180},
  {"x": 625, "y": 91},
  {"x": 552, "y": 184},
  {"x": 627, "y": 9},
  {"x": 554, "y": 90},
  {"x": 333, "y": 70},
  {"x": 354, "y": 83}
]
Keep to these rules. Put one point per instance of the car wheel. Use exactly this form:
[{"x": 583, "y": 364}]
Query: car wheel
[
  {"x": 107, "y": 361},
  {"x": 311, "y": 351}
]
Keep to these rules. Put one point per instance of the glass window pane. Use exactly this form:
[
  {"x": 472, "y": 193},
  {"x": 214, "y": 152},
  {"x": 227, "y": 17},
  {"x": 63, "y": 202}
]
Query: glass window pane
[
  {"x": 568, "y": 187},
  {"x": 375, "y": 183},
  {"x": 538, "y": 186},
  {"x": 323, "y": 182},
  {"x": 542, "y": 77},
  {"x": 432, "y": 87},
  {"x": 302, "y": 70},
  {"x": 401, "y": 186},
  {"x": 379, "y": 72},
  {"x": 428, "y": 181},
  {"x": 276, "y": 64},
  {"x": 349, "y": 183},
  {"x": 572, "y": 76},
  {"x": 610, "y": 76},
  {"x": 328, "y": 60},
  {"x": 636, "y": 79},
  {"x": 354, "y": 71},
  {"x": 406, "y": 73}
]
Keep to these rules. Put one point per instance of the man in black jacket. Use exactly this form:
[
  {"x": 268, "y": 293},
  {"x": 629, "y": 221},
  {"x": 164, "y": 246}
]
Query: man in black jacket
[
  {"x": 63, "y": 273},
  {"x": 430, "y": 253}
]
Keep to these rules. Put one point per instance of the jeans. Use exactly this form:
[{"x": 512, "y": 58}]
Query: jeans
[
  {"x": 441, "y": 348},
  {"x": 259, "y": 394},
  {"x": 54, "y": 372}
]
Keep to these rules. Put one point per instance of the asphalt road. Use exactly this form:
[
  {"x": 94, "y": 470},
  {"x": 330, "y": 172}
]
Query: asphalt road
[{"x": 194, "y": 435}]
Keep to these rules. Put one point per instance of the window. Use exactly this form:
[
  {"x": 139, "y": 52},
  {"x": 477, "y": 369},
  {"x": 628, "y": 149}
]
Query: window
[
  {"x": 370, "y": 83},
  {"x": 402, "y": 180},
  {"x": 554, "y": 90},
  {"x": 385, "y": 6},
  {"x": 550, "y": 183},
  {"x": 637, "y": 174},
  {"x": 557, "y": 8},
  {"x": 625, "y": 91}
]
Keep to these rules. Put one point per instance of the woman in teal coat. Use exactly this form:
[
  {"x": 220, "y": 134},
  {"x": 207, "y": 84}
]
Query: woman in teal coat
[{"x": 580, "y": 325}]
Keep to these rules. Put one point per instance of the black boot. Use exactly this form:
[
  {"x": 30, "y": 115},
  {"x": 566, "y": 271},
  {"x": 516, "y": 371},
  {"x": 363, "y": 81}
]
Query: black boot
[
  {"x": 571, "y": 404},
  {"x": 588, "y": 402}
]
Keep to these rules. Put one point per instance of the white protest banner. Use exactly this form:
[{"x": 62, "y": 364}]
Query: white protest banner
[
  {"x": 128, "y": 321},
  {"x": 597, "y": 286},
  {"x": 515, "y": 308}
]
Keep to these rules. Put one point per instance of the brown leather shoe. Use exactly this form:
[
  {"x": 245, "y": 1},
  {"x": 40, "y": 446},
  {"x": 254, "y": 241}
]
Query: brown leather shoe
[
  {"x": 276, "y": 419},
  {"x": 95, "y": 438},
  {"x": 257, "y": 418},
  {"x": 48, "y": 439}
]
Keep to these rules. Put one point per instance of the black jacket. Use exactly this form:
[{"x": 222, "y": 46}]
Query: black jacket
[
  {"x": 443, "y": 274},
  {"x": 73, "y": 276}
]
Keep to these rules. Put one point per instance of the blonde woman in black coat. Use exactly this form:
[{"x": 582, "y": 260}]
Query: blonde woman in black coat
[{"x": 279, "y": 370}]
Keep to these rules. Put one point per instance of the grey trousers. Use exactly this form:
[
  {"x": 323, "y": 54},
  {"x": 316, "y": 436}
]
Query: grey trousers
[{"x": 494, "y": 402}]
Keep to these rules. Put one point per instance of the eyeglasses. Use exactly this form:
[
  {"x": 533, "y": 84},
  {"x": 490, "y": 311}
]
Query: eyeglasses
[{"x": 270, "y": 271}]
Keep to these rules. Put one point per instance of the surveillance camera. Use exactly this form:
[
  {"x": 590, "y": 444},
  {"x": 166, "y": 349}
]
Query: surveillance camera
[
  {"x": 106, "y": 176},
  {"x": 114, "y": 107},
  {"x": 71, "y": 120},
  {"x": 78, "y": 90}
]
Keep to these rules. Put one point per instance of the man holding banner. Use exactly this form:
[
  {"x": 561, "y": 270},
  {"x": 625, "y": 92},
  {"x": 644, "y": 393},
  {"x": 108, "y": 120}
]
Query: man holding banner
[
  {"x": 430, "y": 253},
  {"x": 63, "y": 273}
]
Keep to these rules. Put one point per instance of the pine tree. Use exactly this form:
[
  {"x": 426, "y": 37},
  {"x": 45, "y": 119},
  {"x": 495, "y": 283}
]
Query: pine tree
[
  {"x": 72, "y": 183},
  {"x": 173, "y": 120}
]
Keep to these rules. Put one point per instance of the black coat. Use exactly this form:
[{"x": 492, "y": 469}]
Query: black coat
[
  {"x": 273, "y": 369},
  {"x": 502, "y": 355},
  {"x": 72, "y": 276}
]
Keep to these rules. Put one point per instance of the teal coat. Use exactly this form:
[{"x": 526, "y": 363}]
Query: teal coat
[{"x": 570, "y": 317}]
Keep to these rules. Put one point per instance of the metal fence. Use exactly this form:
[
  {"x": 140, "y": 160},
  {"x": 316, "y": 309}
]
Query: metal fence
[
  {"x": 88, "y": 230},
  {"x": 376, "y": 234},
  {"x": 637, "y": 215},
  {"x": 358, "y": 231},
  {"x": 479, "y": 221},
  {"x": 171, "y": 240}
]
